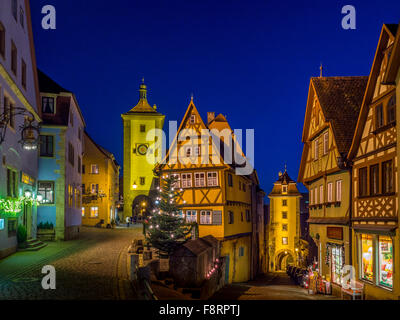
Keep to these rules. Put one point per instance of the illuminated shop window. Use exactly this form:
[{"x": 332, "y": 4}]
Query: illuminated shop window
[
  {"x": 83, "y": 211},
  {"x": 385, "y": 261},
  {"x": 367, "y": 257}
]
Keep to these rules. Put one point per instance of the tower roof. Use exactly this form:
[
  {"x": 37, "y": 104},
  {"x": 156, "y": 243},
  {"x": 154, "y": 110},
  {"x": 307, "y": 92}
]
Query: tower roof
[
  {"x": 285, "y": 180},
  {"x": 143, "y": 105}
]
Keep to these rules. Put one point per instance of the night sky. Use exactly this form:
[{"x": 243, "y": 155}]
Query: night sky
[{"x": 249, "y": 60}]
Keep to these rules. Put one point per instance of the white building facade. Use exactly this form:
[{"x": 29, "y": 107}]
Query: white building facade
[{"x": 19, "y": 98}]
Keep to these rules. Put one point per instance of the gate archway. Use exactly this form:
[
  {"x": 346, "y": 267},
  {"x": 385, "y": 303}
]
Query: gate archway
[
  {"x": 284, "y": 259},
  {"x": 141, "y": 206}
]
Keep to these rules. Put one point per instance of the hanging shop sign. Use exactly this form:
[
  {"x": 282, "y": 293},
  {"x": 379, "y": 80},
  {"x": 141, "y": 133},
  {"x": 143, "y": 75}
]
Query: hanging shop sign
[
  {"x": 27, "y": 179},
  {"x": 334, "y": 233}
]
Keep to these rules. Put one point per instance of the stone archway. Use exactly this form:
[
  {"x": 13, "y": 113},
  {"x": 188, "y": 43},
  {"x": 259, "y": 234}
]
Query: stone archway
[
  {"x": 283, "y": 259},
  {"x": 141, "y": 207}
]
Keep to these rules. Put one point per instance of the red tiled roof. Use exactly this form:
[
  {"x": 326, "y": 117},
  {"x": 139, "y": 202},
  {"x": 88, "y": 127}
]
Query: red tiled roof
[{"x": 340, "y": 99}]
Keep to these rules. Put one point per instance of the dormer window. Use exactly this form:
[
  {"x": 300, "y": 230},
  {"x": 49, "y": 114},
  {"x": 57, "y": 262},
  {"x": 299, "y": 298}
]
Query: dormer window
[
  {"x": 48, "y": 105},
  {"x": 284, "y": 189}
]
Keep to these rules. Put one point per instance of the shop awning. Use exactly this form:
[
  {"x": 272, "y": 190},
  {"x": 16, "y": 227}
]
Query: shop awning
[{"x": 336, "y": 220}]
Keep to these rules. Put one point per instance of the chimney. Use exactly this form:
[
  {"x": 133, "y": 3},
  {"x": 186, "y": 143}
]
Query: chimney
[{"x": 210, "y": 117}]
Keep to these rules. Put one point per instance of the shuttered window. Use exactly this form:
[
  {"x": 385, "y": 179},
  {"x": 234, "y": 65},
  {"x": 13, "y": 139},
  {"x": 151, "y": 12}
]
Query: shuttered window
[{"x": 217, "y": 218}]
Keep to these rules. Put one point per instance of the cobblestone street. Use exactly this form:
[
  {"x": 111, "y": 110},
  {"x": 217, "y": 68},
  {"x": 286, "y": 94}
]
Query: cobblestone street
[
  {"x": 275, "y": 286},
  {"x": 92, "y": 267}
]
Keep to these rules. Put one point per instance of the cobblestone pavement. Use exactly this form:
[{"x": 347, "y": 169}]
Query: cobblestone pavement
[
  {"x": 276, "y": 286},
  {"x": 94, "y": 267}
]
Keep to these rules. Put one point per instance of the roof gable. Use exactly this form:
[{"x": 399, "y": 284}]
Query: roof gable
[{"x": 375, "y": 80}]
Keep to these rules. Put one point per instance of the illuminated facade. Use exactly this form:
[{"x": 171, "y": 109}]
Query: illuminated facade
[
  {"x": 18, "y": 89},
  {"x": 140, "y": 155},
  {"x": 100, "y": 185},
  {"x": 60, "y": 160},
  {"x": 284, "y": 242},
  {"x": 375, "y": 158},
  {"x": 222, "y": 202}
]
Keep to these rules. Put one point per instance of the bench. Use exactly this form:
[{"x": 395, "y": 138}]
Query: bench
[{"x": 355, "y": 290}]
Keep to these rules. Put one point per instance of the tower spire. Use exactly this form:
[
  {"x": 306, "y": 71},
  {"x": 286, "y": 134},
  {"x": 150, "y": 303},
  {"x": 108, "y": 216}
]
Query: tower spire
[
  {"x": 320, "y": 70},
  {"x": 143, "y": 91}
]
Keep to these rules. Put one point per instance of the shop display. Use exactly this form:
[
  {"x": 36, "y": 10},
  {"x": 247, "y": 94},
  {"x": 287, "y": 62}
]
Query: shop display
[
  {"x": 385, "y": 262},
  {"x": 367, "y": 256}
]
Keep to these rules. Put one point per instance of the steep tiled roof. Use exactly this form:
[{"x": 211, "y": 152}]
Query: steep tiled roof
[
  {"x": 48, "y": 85},
  {"x": 340, "y": 99}
]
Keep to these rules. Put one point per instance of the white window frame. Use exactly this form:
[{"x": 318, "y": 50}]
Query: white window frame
[
  {"x": 330, "y": 191},
  {"x": 316, "y": 149},
  {"x": 326, "y": 142},
  {"x": 321, "y": 194},
  {"x": 199, "y": 179},
  {"x": 191, "y": 216},
  {"x": 206, "y": 217},
  {"x": 186, "y": 179},
  {"x": 212, "y": 181},
  {"x": 338, "y": 190}
]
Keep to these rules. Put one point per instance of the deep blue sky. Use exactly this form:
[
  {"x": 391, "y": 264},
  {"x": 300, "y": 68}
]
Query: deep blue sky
[{"x": 250, "y": 60}]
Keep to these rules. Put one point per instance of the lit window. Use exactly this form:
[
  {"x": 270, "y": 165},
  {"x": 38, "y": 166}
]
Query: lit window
[
  {"x": 285, "y": 240},
  {"x": 94, "y": 188},
  {"x": 94, "y": 169},
  {"x": 83, "y": 211},
  {"x": 321, "y": 194},
  {"x": 212, "y": 179},
  {"x": 94, "y": 212},
  {"x": 385, "y": 261},
  {"x": 367, "y": 257},
  {"x": 46, "y": 190}
]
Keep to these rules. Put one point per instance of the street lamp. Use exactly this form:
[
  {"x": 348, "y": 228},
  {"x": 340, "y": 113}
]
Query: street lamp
[{"x": 134, "y": 185}]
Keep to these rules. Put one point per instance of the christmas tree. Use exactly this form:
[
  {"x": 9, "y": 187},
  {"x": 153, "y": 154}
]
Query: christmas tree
[{"x": 166, "y": 229}]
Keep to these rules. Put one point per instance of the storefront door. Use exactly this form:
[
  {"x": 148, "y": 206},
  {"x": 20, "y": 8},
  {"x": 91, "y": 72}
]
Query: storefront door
[{"x": 337, "y": 262}]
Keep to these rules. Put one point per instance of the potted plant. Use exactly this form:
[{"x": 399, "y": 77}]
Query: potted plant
[{"x": 22, "y": 236}]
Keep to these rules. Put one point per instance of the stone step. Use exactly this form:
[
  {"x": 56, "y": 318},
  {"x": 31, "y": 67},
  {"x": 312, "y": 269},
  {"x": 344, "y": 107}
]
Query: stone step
[{"x": 37, "y": 247}]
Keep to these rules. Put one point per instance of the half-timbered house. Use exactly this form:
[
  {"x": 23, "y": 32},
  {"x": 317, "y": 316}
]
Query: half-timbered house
[
  {"x": 331, "y": 114},
  {"x": 214, "y": 195},
  {"x": 375, "y": 178}
]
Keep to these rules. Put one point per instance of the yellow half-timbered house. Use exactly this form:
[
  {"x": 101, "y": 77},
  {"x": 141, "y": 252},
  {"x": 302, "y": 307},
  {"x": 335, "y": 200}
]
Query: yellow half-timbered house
[
  {"x": 375, "y": 177},
  {"x": 214, "y": 195},
  {"x": 331, "y": 114}
]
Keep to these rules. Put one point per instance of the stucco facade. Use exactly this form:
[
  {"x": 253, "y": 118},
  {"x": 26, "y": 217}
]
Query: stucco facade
[{"x": 18, "y": 89}]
